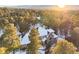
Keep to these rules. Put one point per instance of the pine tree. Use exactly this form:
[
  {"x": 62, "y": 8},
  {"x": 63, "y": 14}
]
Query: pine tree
[
  {"x": 35, "y": 42},
  {"x": 75, "y": 36},
  {"x": 9, "y": 39},
  {"x": 64, "y": 47}
]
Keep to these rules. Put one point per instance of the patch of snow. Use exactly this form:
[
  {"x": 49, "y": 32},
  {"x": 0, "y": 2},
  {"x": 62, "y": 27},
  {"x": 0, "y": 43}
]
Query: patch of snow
[
  {"x": 18, "y": 52},
  {"x": 42, "y": 50},
  {"x": 21, "y": 52},
  {"x": 60, "y": 38},
  {"x": 1, "y": 32}
]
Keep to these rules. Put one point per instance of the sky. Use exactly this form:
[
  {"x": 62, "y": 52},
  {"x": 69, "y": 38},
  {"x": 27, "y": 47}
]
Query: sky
[{"x": 38, "y": 2}]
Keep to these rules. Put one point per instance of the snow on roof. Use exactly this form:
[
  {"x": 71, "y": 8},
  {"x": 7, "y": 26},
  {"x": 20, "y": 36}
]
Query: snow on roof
[
  {"x": 25, "y": 39},
  {"x": 55, "y": 36},
  {"x": 42, "y": 31},
  {"x": 50, "y": 30},
  {"x": 38, "y": 18}
]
